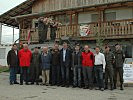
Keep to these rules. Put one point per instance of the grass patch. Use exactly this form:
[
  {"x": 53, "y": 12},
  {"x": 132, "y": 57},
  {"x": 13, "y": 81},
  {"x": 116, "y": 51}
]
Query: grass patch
[{"x": 4, "y": 69}]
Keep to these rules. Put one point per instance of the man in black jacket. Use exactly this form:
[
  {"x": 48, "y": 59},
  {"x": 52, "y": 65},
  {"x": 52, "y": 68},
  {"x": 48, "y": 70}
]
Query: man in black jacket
[
  {"x": 76, "y": 66},
  {"x": 65, "y": 61},
  {"x": 13, "y": 63},
  {"x": 55, "y": 65}
]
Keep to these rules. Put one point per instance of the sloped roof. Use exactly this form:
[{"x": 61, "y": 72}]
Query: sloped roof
[{"x": 22, "y": 9}]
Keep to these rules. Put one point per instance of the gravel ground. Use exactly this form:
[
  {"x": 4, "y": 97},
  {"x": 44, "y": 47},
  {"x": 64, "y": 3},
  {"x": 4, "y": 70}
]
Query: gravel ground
[{"x": 33, "y": 92}]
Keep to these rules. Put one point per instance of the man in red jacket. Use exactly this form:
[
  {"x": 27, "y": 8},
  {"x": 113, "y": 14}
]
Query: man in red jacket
[
  {"x": 87, "y": 65},
  {"x": 25, "y": 59}
]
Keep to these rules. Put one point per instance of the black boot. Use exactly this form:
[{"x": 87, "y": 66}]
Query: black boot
[
  {"x": 114, "y": 86},
  {"x": 111, "y": 87},
  {"x": 121, "y": 87},
  {"x": 106, "y": 87}
]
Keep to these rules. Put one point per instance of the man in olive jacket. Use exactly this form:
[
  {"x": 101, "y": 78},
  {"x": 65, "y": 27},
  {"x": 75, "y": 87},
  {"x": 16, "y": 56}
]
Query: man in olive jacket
[
  {"x": 13, "y": 63},
  {"x": 35, "y": 66},
  {"x": 118, "y": 65},
  {"x": 109, "y": 71}
]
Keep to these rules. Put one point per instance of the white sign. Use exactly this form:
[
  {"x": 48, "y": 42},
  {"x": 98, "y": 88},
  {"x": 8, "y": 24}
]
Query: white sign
[
  {"x": 84, "y": 30},
  {"x": 128, "y": 73}
]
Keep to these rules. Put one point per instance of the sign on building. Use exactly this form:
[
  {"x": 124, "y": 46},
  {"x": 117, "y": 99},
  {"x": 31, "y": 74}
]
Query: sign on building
[
  {"x": 84, "y": 30},
  {"x": 128, "y": 73}
]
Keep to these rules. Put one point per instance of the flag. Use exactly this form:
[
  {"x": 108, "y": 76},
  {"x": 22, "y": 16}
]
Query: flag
[{"x": 29, "y": 36}]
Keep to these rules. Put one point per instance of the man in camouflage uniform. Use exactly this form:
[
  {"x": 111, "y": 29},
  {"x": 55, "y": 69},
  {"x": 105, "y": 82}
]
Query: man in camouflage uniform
[
  {"x": 118, "y": 65},
  {"x": 109, "y": 72}
]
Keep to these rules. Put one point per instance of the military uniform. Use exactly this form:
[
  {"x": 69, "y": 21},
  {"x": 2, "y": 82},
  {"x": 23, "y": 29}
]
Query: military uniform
[
  {"x": 118, "y": 67},
  {"x": 109, "y": 72}
]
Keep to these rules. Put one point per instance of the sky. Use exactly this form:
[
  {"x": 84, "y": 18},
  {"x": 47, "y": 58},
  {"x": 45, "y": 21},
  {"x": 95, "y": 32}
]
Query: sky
[{"x": 7, "y": 32}]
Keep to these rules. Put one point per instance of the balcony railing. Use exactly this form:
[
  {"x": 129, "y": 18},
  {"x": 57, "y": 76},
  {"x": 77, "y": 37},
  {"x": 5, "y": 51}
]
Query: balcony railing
[
  {"x": 108, "y": 29},
  {"x": 24, "y": 34}
]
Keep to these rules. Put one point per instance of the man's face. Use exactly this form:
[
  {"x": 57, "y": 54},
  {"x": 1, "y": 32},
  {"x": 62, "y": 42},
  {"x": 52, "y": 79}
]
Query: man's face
[
  {"x": 97, "y": 50},
  {"x": 65, "y": 46},
  {"x": 56, "y": 46},
  {"x": 77, "y": 48},
  {"x": 86, "y": 48},
  {"x": 117, "y": 47},
  {"x": 26, "y": 47},
  {"x": 107, "y": 49},
  {"x": 36, "y": 50},
  {"x": 45, "y": 50},
  {"x": 15, "y": 47}
]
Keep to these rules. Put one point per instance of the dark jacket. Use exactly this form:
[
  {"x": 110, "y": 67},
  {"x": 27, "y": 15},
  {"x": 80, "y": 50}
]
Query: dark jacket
[
  {"x": 46, "y": 61},
  {"x": 36, "y": 60},
  {"x": 12, "y": 58},
  {"x": 67, "y": 58},
  {"x": 79, "y": 59},
  {"x": 119, "y": 58},
  {"x": 55, "y": 57},
  {"x": 109, "y": 58}
]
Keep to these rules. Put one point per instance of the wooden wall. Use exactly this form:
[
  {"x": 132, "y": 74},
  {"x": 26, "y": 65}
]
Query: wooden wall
[{"x": 53, "y": 5}]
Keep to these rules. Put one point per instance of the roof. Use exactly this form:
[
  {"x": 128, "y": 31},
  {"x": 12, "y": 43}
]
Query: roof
[{"x": 22, "y": 9}]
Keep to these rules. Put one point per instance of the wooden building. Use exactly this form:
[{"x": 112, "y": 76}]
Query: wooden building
[{"x": 108, "y": 20}]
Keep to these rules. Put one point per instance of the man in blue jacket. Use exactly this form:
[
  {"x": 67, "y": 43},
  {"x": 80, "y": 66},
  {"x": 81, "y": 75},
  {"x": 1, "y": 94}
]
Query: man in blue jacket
[{"x": 46, "y": 61}]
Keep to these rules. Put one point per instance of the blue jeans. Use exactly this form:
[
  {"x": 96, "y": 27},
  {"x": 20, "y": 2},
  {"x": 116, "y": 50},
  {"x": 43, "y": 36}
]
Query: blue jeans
[
  {"x": 77, "y": 76},
  {"x": 98, "y": 69},
  {"x": 13, "y": 74}
]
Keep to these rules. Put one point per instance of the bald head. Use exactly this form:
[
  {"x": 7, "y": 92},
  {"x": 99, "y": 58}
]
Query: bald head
[
  {"x": 45, "y": 49},
  {"x": 86, "y": 48},
  {"x": 25, "y": 46}
]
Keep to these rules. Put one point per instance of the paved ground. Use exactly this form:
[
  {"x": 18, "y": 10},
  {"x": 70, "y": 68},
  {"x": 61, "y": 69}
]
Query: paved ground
[{"x": 17, "y": 92}]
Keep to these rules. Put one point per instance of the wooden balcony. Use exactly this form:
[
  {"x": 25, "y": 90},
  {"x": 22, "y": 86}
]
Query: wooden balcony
[
  {"x": 117, "y": 29},
  {"x": 24, "y": 35},
  {"x": 108, "y": 30}
]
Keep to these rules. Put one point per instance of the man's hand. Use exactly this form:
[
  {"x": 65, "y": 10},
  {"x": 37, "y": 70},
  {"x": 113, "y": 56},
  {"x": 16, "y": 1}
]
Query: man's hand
[
  {"x": 8, "y": 66},
  {"x": 71, "y": 68},
  {"x": 103, "y": 70}
]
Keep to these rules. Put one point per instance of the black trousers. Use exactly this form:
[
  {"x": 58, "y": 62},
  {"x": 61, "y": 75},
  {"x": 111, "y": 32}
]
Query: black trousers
[
  {"x": 35, "y": 71},
  {"x": 55, "y": 74},
  {"x": 24, "y": 74},
  {"x": 65, "y": 73},
  {"x": 118, "y": 71},
  {"x": 87, "y": 74}
]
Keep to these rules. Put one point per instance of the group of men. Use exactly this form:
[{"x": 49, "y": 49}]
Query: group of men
[{"x": 63, "y": 67}]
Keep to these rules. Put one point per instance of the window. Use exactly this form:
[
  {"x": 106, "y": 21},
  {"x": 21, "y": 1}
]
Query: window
[
  {"x": 110, "y": 16},
  {"x": 128, "y": 51},
  {"x": 63, "y": 19},
  {"x": 94, "y": 17}
]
